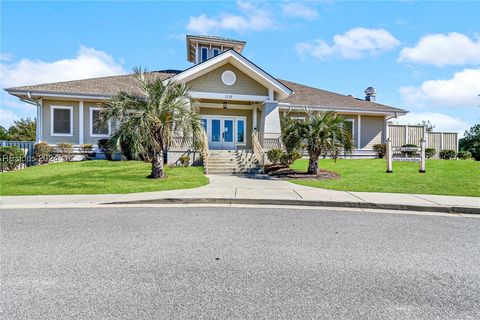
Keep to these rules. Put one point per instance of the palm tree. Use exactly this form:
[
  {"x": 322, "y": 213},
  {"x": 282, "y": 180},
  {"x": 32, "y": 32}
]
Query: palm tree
[
  {"x": 321, "y": 133},
  {"x": 151, "y": 121}
]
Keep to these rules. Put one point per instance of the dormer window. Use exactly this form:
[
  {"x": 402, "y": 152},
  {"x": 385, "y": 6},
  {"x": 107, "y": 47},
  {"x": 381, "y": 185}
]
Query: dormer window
[
  {"x": 204, "y": 54},
  {"x": 216, "y": 52}
]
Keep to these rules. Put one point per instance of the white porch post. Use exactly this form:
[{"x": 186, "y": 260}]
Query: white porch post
[
  {"x": 254, "y": 118},
  {"x": 80, "y": 122},
  {"x": 359, "y": 134}
]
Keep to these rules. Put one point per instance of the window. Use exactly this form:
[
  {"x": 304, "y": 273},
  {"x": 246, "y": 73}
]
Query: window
[
  {"x": 349, "y": 127},
  {"x": 97, "y": 129},
  {"x": 216, "y": 52},
  {"x": 204, "y": 54},
  {"x": 61, "y": 121},
  {"x": 204, "y": 122},
  {"x": 240, "y": 131}
]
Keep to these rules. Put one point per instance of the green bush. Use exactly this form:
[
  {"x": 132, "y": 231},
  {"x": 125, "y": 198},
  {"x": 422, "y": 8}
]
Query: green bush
[
  {"x": 447, "y": 154},
  {"x": 464, "y": 155},
  {"x": 381, "y": 149},
  {"x": 274, "y": 155},
  {"x": 86, "y": 150},
  {"x": 184, "y": 161},
  {"x": 430, "y": 152},
  {"x": 287, "y": 158},
  {"x": 107, "y": 148},
  {"x": 409, "y": 153},
  {"x": 65, "y": 151},
  {"x": 11, "y": 157},
  {"x": 43, "y": 152}
]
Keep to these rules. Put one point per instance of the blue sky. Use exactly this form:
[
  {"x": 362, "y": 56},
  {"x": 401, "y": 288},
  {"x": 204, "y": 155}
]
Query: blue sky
[{"x": 421, "y": 56}]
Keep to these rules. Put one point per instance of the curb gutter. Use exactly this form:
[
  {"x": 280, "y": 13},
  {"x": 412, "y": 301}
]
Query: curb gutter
[{"x": 316, "y": 203}]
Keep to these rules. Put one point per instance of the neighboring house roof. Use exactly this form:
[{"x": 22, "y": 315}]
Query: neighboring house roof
[{"x": 303, "y": 96}]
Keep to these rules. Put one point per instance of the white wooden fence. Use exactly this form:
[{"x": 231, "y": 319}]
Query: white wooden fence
[{"x": 411, "y": 134}]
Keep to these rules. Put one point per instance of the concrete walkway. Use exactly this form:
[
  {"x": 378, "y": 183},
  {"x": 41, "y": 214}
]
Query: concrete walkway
[{"x": 261, "y": 189}]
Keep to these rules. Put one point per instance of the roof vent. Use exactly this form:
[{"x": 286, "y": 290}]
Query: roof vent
[{"x": 370, "y": 94}]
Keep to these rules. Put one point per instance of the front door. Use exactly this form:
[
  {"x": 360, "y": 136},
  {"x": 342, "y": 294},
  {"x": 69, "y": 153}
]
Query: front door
[{"x": 221, "y": 135}]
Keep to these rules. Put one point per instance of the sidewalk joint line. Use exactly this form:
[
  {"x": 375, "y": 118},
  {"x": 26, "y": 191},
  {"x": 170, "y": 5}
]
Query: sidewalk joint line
[
  {"x": 417, "y": 196},
  {"x": 298, "y": 194},
  {"x": 235, "y": 193},
  {"x": 355, "y": 196}
]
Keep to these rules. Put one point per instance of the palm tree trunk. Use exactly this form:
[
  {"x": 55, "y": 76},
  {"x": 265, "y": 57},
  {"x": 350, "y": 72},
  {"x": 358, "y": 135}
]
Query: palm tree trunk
[
  {"x": 312, "y": 165},
  {"x": 157, "y": 166}
]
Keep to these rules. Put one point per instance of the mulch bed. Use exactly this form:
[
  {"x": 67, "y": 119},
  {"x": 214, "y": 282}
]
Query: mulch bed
[{"x": 282, "y": 171}]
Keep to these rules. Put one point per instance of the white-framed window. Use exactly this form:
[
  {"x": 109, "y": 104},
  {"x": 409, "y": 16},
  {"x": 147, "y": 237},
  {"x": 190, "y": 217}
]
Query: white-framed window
[
  {"x": 216, "y": 52},
  {"x": 97, "y": 129},
  {"x": 61, "y": 121},
  {"x": 350, "y": 127},
  {"x": 241, "y": 130},
  {"x": 204, "y": 54}
]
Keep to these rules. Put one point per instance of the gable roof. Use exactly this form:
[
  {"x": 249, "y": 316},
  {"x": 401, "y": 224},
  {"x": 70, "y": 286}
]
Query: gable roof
[
  {"x": 104, "y": 87},
  {"x": 242, "y": 63},
  {"x": 305, "y": 96}
]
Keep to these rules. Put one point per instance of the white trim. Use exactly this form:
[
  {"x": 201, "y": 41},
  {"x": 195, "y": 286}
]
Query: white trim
[
  {"x": 226, "y": 96},
  {"x": 91, "y": 124},
  {"x": 244, "y": 119},
  {"x": 289, "y": 107},
  {"x": 231, "y": 56},
  {"x": 80, "y": 123},
  {"x": 210, "y": 117},
  {"x": 359, "y": 132},
  {"x": 60, "y": 95},
  {"x": 201, "y": 53},
  {"x": 254, "y": 119},
  {"x": 219, "y": 105},
  {"x": 297, "y": 118},
  {"x": 53, "y": 107}
]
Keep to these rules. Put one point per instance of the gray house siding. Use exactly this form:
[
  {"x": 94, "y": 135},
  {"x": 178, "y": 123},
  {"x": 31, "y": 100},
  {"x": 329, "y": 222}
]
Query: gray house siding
[
  {"x": 47, "y": 124},
  {"x": 372, "y": 131}
]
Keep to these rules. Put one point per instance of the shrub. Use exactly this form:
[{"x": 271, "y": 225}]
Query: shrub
[
  {"x": 381, "y": 149},
  {"x": 447, "y": 154},
  {"x": 274, "y": 155},
  {"x": 65, "y": 151},
  {"x": 11, "y": 157},
  {"x": 287, "y": 158},
  {"x": 409, "y": 153},
  {"x": 184, "y": 161},
  {"x": 43, "y": 152},
  {"x": 464, "y": 155},
  {"x": 430, "y": 152},
  {"x": 86, "y": 150},
  {"x": 107, "y": 148}
]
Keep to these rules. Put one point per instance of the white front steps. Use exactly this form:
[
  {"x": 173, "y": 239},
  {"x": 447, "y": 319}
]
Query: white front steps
[{"x": 232, "y": 162}]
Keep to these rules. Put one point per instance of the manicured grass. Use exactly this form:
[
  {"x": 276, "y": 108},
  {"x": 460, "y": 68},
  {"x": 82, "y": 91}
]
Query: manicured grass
[
  {"x": 96, "y": 177},
  {"x": 446, "y": 177}
]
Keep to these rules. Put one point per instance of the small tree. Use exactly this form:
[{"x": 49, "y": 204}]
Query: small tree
[
  {"x": 150, "y": 122},
  {"x": 322, "y": 134},
  {"x": 23, "y": 130},
  {"x": 471, "y": 141},
  {"x": 4, "y": 135},
  {"x": 43, "y": 153},
  {"x": 427, "y": 124}
]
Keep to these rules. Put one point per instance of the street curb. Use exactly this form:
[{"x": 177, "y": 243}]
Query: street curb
[{"x": 311, "y": 203}]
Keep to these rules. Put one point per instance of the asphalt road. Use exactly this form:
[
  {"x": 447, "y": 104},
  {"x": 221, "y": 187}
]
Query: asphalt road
[{"x": 227, "y": 263}]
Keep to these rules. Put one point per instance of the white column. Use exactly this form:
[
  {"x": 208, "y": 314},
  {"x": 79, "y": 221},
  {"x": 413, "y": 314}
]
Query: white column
[
  {"x": 406, "y": 134},
  {"x": 389, "y": 156},
  {"x": 359, "y": 130},
  {"x": 271, "y": 95},
  {"x": 422, "y": 154},
  {"x": 39, "y": 120},
  {"x": 80, "y": 123},
  {"x": 254, "y": 119}
]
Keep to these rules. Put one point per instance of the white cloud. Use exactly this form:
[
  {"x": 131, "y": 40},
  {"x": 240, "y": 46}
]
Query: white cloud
[
  {"x": 299, "y": 10},
  {"x": 7, "y": 117},
  {"x": 442, "y": 50},
  {"x": 5, "y": 56},
  {"x": 461, "y": 90},
  {"x": 251, "y": 18},
  {"x": 441, "y": 121},
  {"x": 88, "y": 63},
  {"x": 353, "y": 44}
]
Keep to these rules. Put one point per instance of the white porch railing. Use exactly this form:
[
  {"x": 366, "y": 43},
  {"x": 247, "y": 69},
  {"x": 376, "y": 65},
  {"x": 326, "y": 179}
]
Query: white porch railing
[
  {"x": 258, "y": 150},
  {"x": 270, "y": 140}
]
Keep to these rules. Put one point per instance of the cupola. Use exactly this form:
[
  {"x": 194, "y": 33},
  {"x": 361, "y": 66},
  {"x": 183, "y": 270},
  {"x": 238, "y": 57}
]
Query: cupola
[{"x": 202, "y": 48}]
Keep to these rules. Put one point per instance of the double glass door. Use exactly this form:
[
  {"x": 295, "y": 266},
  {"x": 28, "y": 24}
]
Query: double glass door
[{"x": 222, "y": 134}]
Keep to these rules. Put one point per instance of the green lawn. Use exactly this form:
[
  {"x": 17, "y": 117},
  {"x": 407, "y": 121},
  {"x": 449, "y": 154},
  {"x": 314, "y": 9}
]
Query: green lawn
[
  {"x": 96, "y": 177},
  {"x": 446, "y": 177}
]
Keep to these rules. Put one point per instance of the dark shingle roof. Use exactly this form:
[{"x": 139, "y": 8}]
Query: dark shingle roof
[
  {"x": 311, "y": 97},
  {"x": 107, "y": 86}
]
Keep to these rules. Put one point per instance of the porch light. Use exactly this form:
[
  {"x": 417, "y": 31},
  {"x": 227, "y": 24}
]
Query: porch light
[{"x": 224, "y": 104}]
